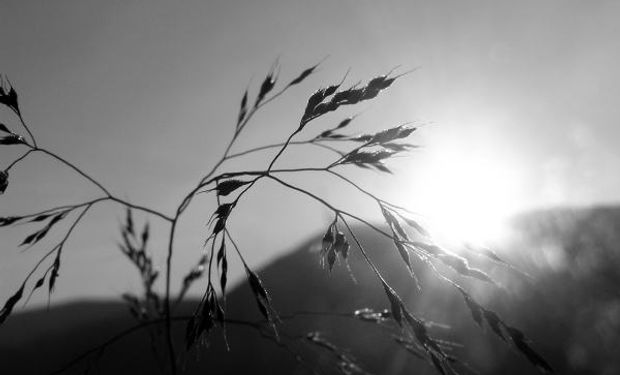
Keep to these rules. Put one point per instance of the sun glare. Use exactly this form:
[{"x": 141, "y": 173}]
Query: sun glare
[{"x": 467, "y": 198}]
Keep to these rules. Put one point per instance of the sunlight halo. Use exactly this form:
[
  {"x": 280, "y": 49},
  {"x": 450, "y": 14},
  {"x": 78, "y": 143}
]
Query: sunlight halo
[{"x": 466, "y": 196}]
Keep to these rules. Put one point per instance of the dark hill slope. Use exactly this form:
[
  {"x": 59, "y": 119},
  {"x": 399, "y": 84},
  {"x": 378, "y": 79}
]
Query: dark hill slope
[{"x": 571, "y": 312}]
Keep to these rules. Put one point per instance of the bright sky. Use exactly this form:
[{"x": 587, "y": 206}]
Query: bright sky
[{"x": 521, "y": 98}]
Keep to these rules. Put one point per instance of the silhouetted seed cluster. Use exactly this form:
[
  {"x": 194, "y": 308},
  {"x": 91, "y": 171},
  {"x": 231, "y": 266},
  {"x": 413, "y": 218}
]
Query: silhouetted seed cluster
[
  {"x": 220, "y": 216},
  {"x": 9, "y": 139},
  {"x": 134, "y": 246},
  {"x": 8, "y": 95},
  {"x": 427, "y": 250},
  {"x": 268, "y": 84},
  {"x": 226, "y": 187},
  {"x": 418, "y": 344},
  {"x": 52, "y": 218},
  {"x": 243, "y": 109},
  {"x": 209, "y": 313},
  {"x": 266, "y": 87},
  {"x": 12, "y": 139},
  {"x": 330, "y": 133},
  {"x": 210, "y": 302},
  {"x": 4, "y": 181},
  {"x": 263, "y": 300},
  {"x": 504, "y": 331},
  {"x": 8, "y": 98},
  {"x": 385, "y": 136},
  {"x": 210, "y": 310},
  {"x": 222, "y": 265},
  {"x": 10, "y": 303},
  {"x": 401, "y": 239},
  {"x": 305, "y": 74},
  {"x": 334, "y": 243},
  {"x": 418, "y": 329},
  {"x": 365, "y": 159},
  {"x": 54, "y": 272},
  {"x": 329, "y": 99},
  {"x": 35, "y": 237},
  {"x": 6, "y": 221},
  {"x": 424, "y": 249},
  {"x": 198, "y": 270},
  {"x": 377, "y": 147}
]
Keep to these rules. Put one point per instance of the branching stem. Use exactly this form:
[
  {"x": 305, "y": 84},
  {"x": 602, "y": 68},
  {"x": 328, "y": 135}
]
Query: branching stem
[
  {"x": 21, "y": 120},
  {"x": 18, "y": 160},
  {"x": 75, "y": 168},
  {"x": 181, "y": 208},
  {"x": 59, "y": 245}
]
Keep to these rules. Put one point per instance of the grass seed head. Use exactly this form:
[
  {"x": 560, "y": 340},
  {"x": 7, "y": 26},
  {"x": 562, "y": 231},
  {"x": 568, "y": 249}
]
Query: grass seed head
[
  {"x": 4, "y": 181},
  {"x": 8, "y": 95}
]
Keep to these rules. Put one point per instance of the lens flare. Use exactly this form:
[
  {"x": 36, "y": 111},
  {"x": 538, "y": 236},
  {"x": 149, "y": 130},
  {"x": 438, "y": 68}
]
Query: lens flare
[{"x": 467, "y": 198}]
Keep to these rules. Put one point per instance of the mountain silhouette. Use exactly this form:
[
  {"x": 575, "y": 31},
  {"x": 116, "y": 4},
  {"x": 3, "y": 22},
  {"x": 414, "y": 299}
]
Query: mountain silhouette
[{"x": 568, "y": 305}]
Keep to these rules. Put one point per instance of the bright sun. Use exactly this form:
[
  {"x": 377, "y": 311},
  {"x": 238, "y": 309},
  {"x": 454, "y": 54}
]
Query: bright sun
[{"x": 466, "y": 197}]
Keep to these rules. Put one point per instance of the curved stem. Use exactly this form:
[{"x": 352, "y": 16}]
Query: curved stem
[
  {"x": 330, "y": 148},
  {"x": 259, "y": 106},
  {"x": 313, "y": 141},
  {"x": 363, "y": 252},
  {"x": 168, "y": 318},
  {"x": 259, "y": 173},
  {"x": 366, "y": 192},
  {"x": 18, "y": 160},
  {"x": 185, "y": 203},
  {"x": 293, "y": 170},
  {"x": 328, "y": 205},
  {"x": 227, "y": 232},
  {"x": 141, "y": 208},
  {"x": 75, "y": 223},
  {"x": 76, "y": 169},
  {"x": 321, "y": 200},
  {"x": 60, "y": 244},
  {"x": 21, "y": 119},
  {"x": 273, "y": 161},
  {"x": 180, "y": 209},
  {"x": 255, "y": 149},
  {"x": 64, "y": 207},
  {"x": 36, "y": 266},
  {"x": 189, "y": 196},
  {"x": 100, "y": 186}
]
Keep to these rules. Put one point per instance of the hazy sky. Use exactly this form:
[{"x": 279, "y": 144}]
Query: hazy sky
[{"x": 521, "y": 98}]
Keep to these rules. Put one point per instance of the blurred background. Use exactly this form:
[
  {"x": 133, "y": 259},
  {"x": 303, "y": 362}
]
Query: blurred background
[{"x": 517, "y": 131}]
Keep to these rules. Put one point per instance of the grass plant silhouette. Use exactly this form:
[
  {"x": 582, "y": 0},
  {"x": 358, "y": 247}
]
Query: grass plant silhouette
[{"x": 366, "y": 151}]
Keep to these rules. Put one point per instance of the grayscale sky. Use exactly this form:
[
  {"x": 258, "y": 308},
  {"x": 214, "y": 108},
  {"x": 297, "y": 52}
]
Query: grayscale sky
[{"x": 518, "y": 102}]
